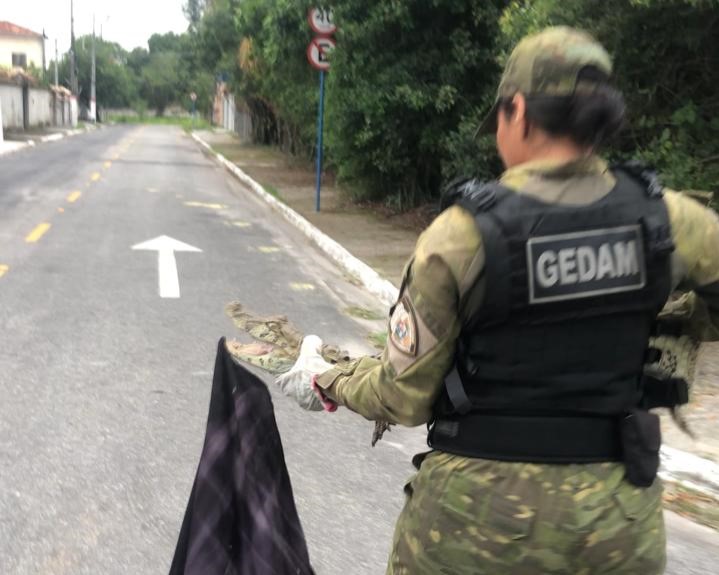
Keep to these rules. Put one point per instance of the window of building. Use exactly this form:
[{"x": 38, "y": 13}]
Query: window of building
[{"x": 19, "y": 60}]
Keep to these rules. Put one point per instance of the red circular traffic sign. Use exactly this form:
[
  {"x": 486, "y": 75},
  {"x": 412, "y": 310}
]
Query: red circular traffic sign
[
  {"x": 318, "y": 50},
  {"x": 321, "y": 21}
]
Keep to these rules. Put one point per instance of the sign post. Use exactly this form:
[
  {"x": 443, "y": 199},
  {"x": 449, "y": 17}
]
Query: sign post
[
  {"x": 320, "y": 21},
  {"x": 320, "y": 130},
  {"x": 193, "y": 97}
]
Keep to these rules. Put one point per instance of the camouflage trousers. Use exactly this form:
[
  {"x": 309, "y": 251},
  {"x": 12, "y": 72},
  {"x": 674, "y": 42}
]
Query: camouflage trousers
[{"x": 472, "y": 516}]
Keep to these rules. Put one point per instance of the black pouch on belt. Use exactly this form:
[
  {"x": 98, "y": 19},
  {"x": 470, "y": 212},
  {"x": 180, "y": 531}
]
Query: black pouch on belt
[{"x": 641, "y": 440}]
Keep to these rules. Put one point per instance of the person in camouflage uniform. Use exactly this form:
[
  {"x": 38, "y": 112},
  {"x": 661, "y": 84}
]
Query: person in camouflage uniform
[{"x": 470, "y": 515}]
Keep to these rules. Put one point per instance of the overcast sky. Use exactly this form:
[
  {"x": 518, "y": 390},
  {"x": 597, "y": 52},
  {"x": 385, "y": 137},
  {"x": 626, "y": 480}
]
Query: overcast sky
[{"x": 128, "y": 22}]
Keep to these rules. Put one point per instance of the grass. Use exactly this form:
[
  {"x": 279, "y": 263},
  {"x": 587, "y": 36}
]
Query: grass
[
  {"x": 363, "y": 313},
  {"x": 186, "y": 124},
  {"x": 694, "y": 505},
  {"x": 270, "y": 189},
  {"x": 378, "y": 339}
]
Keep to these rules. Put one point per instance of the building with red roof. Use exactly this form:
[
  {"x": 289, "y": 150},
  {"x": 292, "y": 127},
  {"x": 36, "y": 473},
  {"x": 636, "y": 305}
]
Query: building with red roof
[{"x": 20, "y": 47}]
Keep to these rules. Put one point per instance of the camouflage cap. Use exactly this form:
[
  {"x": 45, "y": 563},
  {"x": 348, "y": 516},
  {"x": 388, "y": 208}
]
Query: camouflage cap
[{"x": 548, "y": 64}]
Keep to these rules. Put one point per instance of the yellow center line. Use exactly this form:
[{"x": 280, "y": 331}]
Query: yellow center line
[
  {"x": 3, "y": 269},
  {"x": 95, "y": 176},
  {"x": 107, "y": 165},
  {"x": 73, "y": 197},
  {"x": 37, "y": 233}
]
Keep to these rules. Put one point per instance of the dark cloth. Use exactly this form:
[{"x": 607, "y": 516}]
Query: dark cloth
[{"x": 241, "y": 518}]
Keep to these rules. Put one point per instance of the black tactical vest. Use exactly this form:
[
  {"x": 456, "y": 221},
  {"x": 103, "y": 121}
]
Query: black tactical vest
[{"x": 553, "y": 359}]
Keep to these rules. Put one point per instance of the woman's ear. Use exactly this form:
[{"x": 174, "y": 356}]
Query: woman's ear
[
  {"x": 520, "y": 107},
  {"x": 519, "y": 103}
]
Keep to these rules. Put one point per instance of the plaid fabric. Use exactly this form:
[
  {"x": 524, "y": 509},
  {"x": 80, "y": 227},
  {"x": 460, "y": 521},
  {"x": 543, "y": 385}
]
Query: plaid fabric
[{"x": 241, "y": 518}]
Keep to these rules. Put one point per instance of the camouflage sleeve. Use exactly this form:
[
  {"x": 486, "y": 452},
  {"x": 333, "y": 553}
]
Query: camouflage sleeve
[
  {"x": 695, "y": 263},
  {"x": 403, "y": 384}
]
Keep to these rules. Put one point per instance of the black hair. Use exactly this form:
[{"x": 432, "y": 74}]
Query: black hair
[{"x": 589, "y": 117}]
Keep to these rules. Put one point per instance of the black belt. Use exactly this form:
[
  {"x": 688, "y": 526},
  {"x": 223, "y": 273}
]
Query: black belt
[{"x": 530, "y": 439}]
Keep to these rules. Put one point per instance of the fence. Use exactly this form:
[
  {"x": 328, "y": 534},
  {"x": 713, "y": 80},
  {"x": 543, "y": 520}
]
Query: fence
[
  {"x": 25, "y": 107},
  {"x": 231, "y": 116}
]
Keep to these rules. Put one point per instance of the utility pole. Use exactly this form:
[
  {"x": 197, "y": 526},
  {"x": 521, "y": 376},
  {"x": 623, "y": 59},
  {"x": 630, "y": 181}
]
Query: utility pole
[
  {"x": 44, "y": 63},
  {"x": 93, "y": 103},
  {"x": 56, "y": 79},
  {"x": 73, "y": 71}
]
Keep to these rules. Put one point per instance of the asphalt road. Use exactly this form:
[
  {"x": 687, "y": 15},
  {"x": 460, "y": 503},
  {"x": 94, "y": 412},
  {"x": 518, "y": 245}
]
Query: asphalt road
[{"x": 105, "y": 385}]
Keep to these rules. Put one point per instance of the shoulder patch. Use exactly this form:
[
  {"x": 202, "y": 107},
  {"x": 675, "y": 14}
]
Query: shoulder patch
[{"x": 403, "y": 327}]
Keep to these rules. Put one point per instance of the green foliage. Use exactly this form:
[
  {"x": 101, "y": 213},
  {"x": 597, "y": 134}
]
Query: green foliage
[
  {"x": 407, "y": 78},
  {"x": 666, "y": 54},
  {"x": 278, "y": 85},
  {"x": 155, "y": 78},
  {"x": 116, "y": 86},
  {"x": 185, "y": 123},
  {"x": 162, "y": 80},
  {"x": 378, "y": 339},
  {"x": 411, "y": 80},
  {"x": 169, "y": 42},
  {"x": 193, "y": 10}
]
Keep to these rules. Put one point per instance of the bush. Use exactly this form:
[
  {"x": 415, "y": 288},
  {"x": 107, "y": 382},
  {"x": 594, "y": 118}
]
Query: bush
[
  {"x": 405, "y": 76},
  {"x": 411, "y": 80},
  {"x": 665, "y": 54}
]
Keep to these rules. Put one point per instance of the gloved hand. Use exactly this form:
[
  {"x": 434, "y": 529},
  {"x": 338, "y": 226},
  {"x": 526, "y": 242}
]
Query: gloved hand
[{"x": 299, "y": 382}]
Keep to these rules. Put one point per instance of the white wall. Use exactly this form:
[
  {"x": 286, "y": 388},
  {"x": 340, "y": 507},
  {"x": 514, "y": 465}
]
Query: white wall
[
  {"x": 73, "y": 112},
  {"x": 44, "y": 110},
  {"x": 32, "y": 47},
  {"x": 11, "y": 98},
  {"x": 40, "y": 107}
]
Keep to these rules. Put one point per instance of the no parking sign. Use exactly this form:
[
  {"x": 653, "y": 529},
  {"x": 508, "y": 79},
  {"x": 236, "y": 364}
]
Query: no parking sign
[
  {"x": 322, "y": 23},
  {"x": 317, "y": 52}
]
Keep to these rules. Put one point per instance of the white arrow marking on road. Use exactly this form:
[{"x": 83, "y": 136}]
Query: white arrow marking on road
[{"x": 167, "y": 265}]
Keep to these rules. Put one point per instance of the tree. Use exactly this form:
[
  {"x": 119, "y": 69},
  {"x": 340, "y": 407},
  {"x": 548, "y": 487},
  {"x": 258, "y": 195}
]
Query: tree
[
  {"x": 162, "y": 83},
  {"x": 411, "y": 80},
  {"x": 193, "y": 10},
  {"x": 405, "y": 75},
  {"x": 116, "y": 85},
  {"x": 169, "y": 42},
  {"x": 137, "y": 60},
  {"x": 277, "y": 83},
  {"x": 665, "y": 55}
]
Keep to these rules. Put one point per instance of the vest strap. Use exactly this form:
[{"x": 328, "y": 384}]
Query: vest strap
[
  {"x": 534, "y": 439},
  {"x": 455, "y": 391}
]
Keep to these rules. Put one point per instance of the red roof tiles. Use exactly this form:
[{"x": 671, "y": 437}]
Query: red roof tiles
[{"x": 10, "y": 29}]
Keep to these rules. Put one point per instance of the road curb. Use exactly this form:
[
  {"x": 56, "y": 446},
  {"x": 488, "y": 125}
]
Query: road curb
[
  {"x": 677, "y": 466},
  {"x": 21, "y": 145},
  {"x": 369, "y": 278},
  {"x": 62, "y": 135},
  {"x": 52, "y": 138},
  {"x": 690, "y": 471}
]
